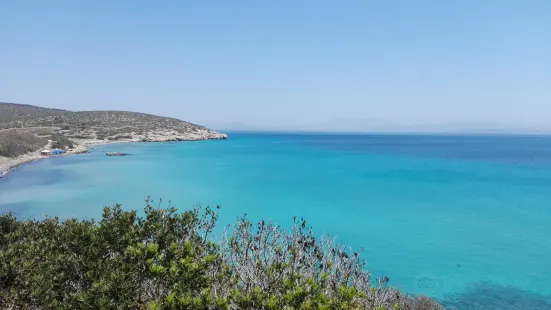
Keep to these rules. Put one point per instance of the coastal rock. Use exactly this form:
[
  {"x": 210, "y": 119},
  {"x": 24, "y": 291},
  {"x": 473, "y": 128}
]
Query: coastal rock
[{"x": 78, "y": 149}]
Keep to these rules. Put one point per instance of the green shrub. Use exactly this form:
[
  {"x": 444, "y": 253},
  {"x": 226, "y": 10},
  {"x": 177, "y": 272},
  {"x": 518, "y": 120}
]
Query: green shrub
[
  {"x": 61, "y": 142},
  {"x": 168, "y": 260},
  {"x": 82, "y": 137}
]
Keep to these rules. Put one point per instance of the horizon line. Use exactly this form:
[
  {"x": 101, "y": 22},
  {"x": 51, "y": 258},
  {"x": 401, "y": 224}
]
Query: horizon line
[{"x": 383, "y": 133}]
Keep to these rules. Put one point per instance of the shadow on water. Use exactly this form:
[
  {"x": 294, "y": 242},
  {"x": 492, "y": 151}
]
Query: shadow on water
[
  {"x": 17, "y": 208},
  {"x": 488, "y": 148},
  {"x": 36, "y": 178},
  {"x": 485, "y": 296}
]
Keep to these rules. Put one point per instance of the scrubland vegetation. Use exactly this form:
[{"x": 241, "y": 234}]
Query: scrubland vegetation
[
  {"x": 169, "y": 260},
  {"x": 14, "y": 143}
]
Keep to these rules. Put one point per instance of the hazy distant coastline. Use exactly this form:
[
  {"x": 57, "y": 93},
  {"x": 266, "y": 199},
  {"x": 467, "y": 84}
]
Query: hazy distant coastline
[{"x": 379, "y": 126}]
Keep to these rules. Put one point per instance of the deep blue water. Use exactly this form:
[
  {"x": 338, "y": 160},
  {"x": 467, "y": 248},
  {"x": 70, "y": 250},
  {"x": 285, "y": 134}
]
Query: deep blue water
[{"x": 466, "y": 219}]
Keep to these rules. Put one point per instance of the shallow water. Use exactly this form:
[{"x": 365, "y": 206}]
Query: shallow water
[{"x": 466, "y": 219}]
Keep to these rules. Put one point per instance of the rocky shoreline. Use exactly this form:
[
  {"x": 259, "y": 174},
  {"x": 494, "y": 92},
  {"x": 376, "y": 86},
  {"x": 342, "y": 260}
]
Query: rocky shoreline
[{"x": 81, "y": 146}]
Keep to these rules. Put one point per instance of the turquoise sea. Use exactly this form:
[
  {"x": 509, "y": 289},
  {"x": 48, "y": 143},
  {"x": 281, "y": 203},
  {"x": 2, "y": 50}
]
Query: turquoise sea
[{"x": 465, "y": 219}]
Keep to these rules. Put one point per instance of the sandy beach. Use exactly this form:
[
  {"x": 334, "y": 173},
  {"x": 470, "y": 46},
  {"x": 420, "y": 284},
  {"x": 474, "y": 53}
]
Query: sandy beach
[{"x": 7, "y": 164}]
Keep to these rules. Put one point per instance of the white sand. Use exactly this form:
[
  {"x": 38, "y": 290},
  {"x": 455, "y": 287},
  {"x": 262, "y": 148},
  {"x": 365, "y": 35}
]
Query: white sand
[
  {"x": 6, "y": 163},
  {"x": 81, "y": 146}
]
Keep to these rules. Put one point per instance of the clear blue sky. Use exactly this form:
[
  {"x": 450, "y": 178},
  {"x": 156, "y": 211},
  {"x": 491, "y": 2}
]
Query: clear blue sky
[{"x": 319, "y": 65}]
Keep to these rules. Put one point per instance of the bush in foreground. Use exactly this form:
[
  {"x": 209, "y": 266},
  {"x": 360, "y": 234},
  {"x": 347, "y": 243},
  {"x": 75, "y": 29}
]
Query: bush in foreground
[{"x": 168, "y": 260}]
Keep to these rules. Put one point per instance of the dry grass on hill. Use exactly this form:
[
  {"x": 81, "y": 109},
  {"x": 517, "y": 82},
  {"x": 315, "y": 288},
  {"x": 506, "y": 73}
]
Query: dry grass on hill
[
  {"x": 15, "y": 142},
  {"x": 12, "y": 111},
  {"x": 102, "y": 125}
]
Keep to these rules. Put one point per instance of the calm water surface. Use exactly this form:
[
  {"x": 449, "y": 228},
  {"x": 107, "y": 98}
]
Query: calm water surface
[{"x": 466, "y": 219}]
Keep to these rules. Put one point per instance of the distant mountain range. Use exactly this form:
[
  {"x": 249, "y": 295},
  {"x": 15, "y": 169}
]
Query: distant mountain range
[{"x": 373, "y": 125}]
